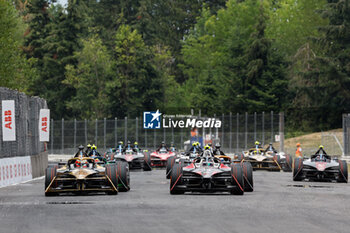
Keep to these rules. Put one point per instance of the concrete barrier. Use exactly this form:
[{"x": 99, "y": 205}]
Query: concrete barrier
[{"x": 39, "y": 163}]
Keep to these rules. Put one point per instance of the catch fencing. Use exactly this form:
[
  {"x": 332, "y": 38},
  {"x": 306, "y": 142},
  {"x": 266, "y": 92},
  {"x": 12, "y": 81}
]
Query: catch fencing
[
  {"x": 238, "y": 132},
  {"x": 27, "y": 129}
]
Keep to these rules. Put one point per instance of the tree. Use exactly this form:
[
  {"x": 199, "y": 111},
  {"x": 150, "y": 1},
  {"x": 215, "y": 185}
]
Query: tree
[
  {"x": 15, "y": 70},
  {"x": 137, "y": 84},
  {"x": 322, "y": 80},
  {"x": 89, "y": 79}
]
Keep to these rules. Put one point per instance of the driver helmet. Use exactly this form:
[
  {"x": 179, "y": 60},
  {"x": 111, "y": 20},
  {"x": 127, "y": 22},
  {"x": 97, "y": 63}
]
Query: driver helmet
[
  {"x": 207, "y": 147},
  {"x": 136, "y": 143},
  {"x": 298, "y": 144},
  {"x": 321, "y": 147},
  {"x": 257, "y": 143},
  {"x": 88, "y": 145},
  {"x": 93, "y": 147},
  {"x": 217, "y": 145},
  {"x": 194, "y": 144},
  {"x": 81, "y": 147},
  {"x": 120, "y": 142}
]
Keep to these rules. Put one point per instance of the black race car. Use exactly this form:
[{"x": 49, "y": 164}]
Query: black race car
[
  {"x": 320, "y": 167},
  {"x": 208, "y": 174}
]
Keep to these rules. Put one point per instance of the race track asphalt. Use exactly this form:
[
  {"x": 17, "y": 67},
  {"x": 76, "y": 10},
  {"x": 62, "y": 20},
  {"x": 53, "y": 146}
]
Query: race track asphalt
[{"x": 277, "y": 205}]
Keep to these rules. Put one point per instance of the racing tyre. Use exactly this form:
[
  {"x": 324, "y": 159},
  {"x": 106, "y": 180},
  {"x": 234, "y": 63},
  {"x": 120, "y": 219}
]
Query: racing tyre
[
  {"x": 248, "y": 177},
  {"x": 277, "y": 159},
  {"x": 169, "y": 164},
  {"x": 50, "y": 173},
  {"x": 343, "y": 172},
  {"x": 111, "y": 172},
  {"x": 147, "y": 162},
  {"x": 176, "y": 179},
  {"x": 124, "y": 176},
  {"x": 297, "y": 170},
  {"x": 288, "y": 164},
  {"x": 237, "y": 179}
]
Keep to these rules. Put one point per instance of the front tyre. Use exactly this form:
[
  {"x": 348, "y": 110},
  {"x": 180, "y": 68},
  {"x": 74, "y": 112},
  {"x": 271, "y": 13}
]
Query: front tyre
[
  {"x": 343, "y": 172},
  {"x": 176, "y": 179},
  {"x": 124, "y": 176},
  {"x": 169, "y": 164},
  {"x": 297, "y": 170},
  {"x": 248, "y": 177},
  {"x": 237, "y": 179}
]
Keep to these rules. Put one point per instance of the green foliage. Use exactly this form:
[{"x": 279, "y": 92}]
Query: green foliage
[
  {"x": 89, "y": 79},
  {"x": 137, "y": 84},
  {"x": 322, "y": 80},
  {"x": 15, "y": 70}
]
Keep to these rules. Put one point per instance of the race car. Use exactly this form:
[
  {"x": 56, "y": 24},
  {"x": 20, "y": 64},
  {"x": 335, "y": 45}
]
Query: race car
[
  {"x": 160, "y": 157},
  {"x": 135, "y": 159},
  {"x": 83, "y": 174},
  {"x": 320, "y": 167},
  {"x": 207, "y": 174},
  {"x": 261, "y": 160},
  {"x": 183, "y": 159}
]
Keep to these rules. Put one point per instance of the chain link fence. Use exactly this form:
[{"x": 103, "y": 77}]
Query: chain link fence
[
  {"x": 238, "y": 132},
  {"x": 27, "y": 129}
]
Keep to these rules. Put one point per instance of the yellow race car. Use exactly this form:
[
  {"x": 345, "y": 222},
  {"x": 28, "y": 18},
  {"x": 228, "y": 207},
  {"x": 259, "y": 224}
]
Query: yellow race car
[{"x": 84, "y": 174}]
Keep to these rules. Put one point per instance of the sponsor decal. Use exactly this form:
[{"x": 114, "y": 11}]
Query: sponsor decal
[{"x": 152, "y": 120}]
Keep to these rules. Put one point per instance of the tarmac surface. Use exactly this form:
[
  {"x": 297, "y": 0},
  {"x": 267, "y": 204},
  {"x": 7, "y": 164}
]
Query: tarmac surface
[{"x": 277, "y": 205}]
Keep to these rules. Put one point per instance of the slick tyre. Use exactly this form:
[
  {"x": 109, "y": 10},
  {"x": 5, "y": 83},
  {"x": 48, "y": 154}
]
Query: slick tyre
[
  {"x": 343, "y": 172},
  {"x": 50, "y": 174},
  {"x": 297, "y": 170},
  {"x": 237, "y": 179},
  {"x": 124, "y": 176},
  {"x": 288, "y": 164},
  {"x": 111, "y": 173},
  {"x": 248, "y": 177},
  {"x": 176, "y": 179},
  {"x": 169, "y": 164},
  {"x": 147, "y": 162},
  {"x": 278, "y": 161}
]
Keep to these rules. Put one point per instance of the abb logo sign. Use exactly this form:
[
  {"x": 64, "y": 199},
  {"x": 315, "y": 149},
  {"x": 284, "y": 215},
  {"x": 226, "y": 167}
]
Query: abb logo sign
[
  {"x": 8, "y": 120},
  {"x": 44, "y": 125}
]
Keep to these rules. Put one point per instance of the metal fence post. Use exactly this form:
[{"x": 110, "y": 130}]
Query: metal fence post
[
  {"x": 237, "y": 134},
  {"x": 164, "y": 135},
  {"x": 104, "y": 133},
  {"x": 345, "y": 135},
  {"x": 86, "y": 134},
  {"x": 115, "y": 131},
  {"x": 154, "y": 138},
  {"x": 145, "y": 138},
  {"x": 62, "y": 131},
  {"x": 223, "y": 131},
  {"x": 182, "y": 137},
  {"x": 246, "y": 130},
  {"x": 125, "y": 129},
  {"x": 263, "y": 128},
  {"x": 254, "y": 126},
  {"x": 75, "y": 133},
  {"x": 96, "y": 132},
  {"x": 52, "y": 136},
  {"x": 137, "y": 131},
  {"x": 272, "y": 127},
  {"x": 230, "y": 142},
  {"x": 281, "y": 129}
]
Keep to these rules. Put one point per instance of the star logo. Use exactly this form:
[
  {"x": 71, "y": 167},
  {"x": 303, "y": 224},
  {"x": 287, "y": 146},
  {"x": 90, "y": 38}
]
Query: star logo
[{"x": 151, "y": 120}]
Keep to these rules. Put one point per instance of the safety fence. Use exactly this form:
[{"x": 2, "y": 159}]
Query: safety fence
[
  {"x": 27, "y": 129},
  {"x": 237, "y": 132}
]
